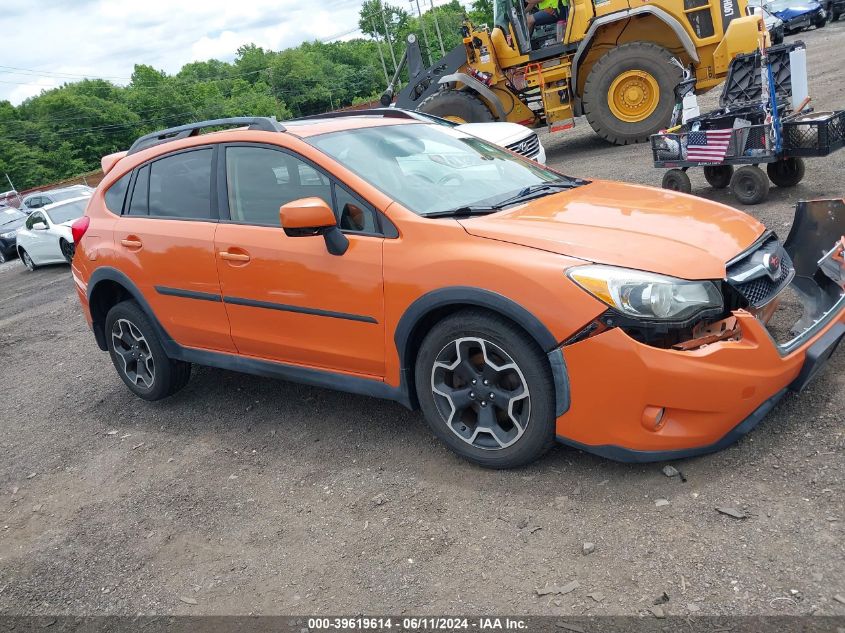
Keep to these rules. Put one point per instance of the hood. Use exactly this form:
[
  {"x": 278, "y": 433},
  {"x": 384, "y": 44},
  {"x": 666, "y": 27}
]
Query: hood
[
  {"x": 627, "y": 225},
  {"x": 10, "y": 225},
  {"x": 799, "y": 8},
  {"x": 500, "y": 133}
]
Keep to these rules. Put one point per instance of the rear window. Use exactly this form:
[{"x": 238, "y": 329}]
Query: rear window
[{"x": 67, "y": 212}]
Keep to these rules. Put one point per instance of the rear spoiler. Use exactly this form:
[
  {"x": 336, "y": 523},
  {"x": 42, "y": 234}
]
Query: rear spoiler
[{"x": 107, "y": 162}]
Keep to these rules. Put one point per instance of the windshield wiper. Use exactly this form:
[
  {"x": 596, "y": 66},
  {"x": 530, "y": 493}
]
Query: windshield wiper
[
  {"x": 532, "y": 190},
  {"x": 463, "y": 211}
]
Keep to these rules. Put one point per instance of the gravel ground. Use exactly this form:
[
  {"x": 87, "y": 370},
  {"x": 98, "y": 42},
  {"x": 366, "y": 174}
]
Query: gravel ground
[{"x": 246, "y": 495}]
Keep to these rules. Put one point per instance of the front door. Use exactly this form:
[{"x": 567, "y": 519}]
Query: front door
[
  {"x": 41, "y": 240},
  {"x": 165, "y": 237},
  {"x": 288, "y": 299}
]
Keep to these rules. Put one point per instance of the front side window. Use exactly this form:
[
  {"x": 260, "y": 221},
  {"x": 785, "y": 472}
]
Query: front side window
[
  {"x": 180, "y": 186},
  {"x": 35, "y": 217},
  {"x": 260, "y": 180},
  {"x": 67, "y": 212},
  {"x": 433, "y": 168}
]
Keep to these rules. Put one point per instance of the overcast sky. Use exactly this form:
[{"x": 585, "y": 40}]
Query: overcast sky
[{"x": 60, "y": 40}]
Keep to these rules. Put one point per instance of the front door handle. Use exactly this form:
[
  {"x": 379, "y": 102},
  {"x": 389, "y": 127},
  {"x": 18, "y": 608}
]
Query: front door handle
[
  {"x": 131, "y": 242},
  {"x": 234, "y": 257}
]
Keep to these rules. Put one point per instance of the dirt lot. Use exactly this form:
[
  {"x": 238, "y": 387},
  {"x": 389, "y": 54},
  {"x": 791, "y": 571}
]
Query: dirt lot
[{"x": 247, "y": 495}]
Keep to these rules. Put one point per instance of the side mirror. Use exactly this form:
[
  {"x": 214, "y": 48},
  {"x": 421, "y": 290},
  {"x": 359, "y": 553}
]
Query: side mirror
[
  {"x": 39, "y": 226},
  {"x": 312, "y": 216}
]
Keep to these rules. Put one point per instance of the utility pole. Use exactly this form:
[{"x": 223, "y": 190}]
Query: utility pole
[
  {"x": 387, "y": 35},
  {"x": 380, "y": 54},
  {"x": 425, "y": 33},
  {"x": 437, "y": 27}
]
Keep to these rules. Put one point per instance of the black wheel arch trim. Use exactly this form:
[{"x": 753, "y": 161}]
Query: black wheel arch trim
[
  {"x": 314, "y": 377},
  {"x": 495, "y": 302}
]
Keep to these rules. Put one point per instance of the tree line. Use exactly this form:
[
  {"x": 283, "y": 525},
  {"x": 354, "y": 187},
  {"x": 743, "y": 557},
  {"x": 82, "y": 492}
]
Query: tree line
[{"x": 64, "y": 131}]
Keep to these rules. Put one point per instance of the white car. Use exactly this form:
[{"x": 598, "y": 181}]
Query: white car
[
  {"x": 46, "y": 237},
  {"x": 512, "y": 136}
]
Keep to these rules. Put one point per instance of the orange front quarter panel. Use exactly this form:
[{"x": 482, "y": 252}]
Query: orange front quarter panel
[{"x": 706, "y": 392}]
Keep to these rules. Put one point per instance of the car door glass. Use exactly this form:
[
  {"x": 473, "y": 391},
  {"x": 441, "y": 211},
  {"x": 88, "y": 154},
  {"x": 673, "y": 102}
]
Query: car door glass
[
  {"x": 35, "y": 217},
  {"x": 116, "y": 193},
  {"x": 138, "y": 203},
  {"x": 180, "y": 185},
  {"x": 352, "y": 213},
  {"x": 260, "y": 180}
]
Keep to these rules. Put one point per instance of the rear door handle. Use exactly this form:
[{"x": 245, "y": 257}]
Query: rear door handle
[
  {"x": 131, "y": 242},
  {"x": 234, "y": 257}
]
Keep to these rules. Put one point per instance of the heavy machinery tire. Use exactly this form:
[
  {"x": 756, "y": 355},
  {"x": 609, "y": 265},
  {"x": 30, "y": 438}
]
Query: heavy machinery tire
[
  {"x": 677, "y": 180},
  {"x": 629, "y": 94},
  {"x": 719, "y": 176},
  {"x": 787, "y": 172},
  {"x": 459, "y": 106},
  {"x": 750, "y": 185}
]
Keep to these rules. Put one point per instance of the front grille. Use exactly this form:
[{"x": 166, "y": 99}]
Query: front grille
[
  {"x": 529, "y": 147},
  {"x": 753, "y": 281}
]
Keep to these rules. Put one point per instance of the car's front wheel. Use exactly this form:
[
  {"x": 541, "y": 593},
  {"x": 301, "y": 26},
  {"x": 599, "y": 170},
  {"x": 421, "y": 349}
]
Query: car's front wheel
[
  {"x": 486, "y": 390},
  {"x": 27, "y": 261},
  {"x": 138, "y": 356}
]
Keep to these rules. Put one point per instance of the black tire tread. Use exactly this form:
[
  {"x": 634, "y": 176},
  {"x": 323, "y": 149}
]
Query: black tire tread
[
  {"x": 595, "y": 98},
  {"x": 453, "y": 100},
  {"x": 171, "y": 375},
  {"x": 500, "y": 330}
]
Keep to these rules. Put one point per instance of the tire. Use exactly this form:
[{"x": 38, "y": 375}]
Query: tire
[
  {"x": 637, "y": 56},
  {"x": 67, "y": 250},
  {"x": 822, "y": 22},
  {"x": 27, "y": 261},
  {"x": 750, "y": 185},
  {"x": 485, "y": 342},
  {"x": 138, "y": 356},
  {"x": 457, "y": 105},
  {"x": 719, "y": 176},
  {"x": 677, "y": 180},
  {"x": 3, "y": 259},
  {"x": 787, "y": 172},
  {"x": 777, "y": 39}
]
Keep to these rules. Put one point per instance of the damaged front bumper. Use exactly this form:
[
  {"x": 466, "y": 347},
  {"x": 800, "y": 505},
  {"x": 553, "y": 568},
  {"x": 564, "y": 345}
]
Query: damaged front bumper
[{"x": 631, "y": 401}]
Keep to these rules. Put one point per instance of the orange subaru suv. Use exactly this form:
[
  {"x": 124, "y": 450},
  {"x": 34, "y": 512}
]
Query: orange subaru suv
[{"x": 380, "y": 255}]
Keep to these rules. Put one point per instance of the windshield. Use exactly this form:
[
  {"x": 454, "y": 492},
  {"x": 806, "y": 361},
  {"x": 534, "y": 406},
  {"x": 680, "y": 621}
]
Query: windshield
[
  {"x": 67, "y": 212},
  {"x": 432, "y": 169},
  {"x": 9, "y": 215}
]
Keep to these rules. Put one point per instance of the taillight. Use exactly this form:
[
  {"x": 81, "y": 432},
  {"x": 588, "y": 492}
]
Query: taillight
[{"x": 79, "y": 227}]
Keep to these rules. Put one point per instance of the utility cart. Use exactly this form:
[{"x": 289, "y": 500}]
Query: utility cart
[{"x": 733, "y": 143}]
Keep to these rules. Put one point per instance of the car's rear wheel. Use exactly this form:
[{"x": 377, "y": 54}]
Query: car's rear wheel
[
  {"x": 138, "y": 356},
  {"x": 486, "y": 390},
  {"x": 67, "y": 250},
  {"x": 27, "y": 261}
]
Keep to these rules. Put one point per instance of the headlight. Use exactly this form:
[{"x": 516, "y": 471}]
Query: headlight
[
  {"x": 647, "y": 295},
  {"x": 9, "y": 234}
]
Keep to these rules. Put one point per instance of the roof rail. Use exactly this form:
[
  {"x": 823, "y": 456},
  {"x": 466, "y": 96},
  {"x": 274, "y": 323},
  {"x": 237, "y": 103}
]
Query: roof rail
[
  {"x": 263, "y": 123},
  {"x": 393, "y": 113}
]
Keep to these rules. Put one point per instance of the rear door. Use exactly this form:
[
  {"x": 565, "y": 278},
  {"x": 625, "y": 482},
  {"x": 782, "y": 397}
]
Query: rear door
[
  {"x": 288, "y": 298},
  {"x": 166, "y": 238}
]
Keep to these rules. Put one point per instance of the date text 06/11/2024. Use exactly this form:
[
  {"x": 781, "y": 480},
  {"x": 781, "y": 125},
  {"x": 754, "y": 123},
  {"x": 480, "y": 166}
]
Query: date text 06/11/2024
[{"x": 427, "y": 623}]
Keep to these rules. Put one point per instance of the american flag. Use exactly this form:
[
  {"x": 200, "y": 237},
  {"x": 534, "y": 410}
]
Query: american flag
[{"x": 708, "y": 146}]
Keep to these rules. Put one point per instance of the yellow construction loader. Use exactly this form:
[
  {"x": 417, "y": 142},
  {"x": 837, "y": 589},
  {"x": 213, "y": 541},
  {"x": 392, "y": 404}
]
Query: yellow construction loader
[{"x": 617, "y": 62}]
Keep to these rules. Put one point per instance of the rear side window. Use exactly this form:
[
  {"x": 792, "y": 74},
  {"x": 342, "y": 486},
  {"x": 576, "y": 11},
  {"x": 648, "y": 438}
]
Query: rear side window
[
  {"x": 180, "y": 185},
  {"x": 116, "y": 194},
  {"x": 138, "y": 204}
]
